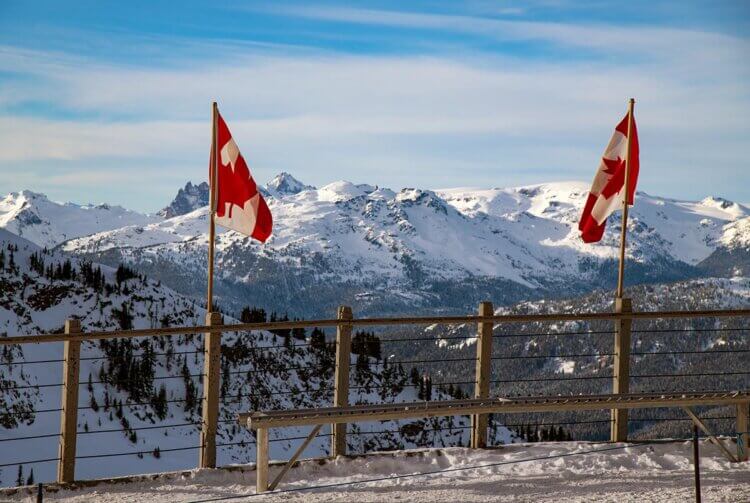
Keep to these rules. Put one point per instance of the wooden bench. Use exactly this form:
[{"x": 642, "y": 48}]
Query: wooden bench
[{"x": 263, "y": 421}]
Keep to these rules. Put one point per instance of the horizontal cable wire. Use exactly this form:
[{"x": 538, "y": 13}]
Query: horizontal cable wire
[
  {"x": 543, "y": 334},
  {"x": 668, "y": 419},
  {"x": 160, "y": 378},
  {"x": 136, "y": 404},
  {"x": 282, "y": 439},
  {"x": 582, "y": 355},
  {"x": 691, "y": 352},
  {"x": 22, "y": 413},
  {"x": 29, "y": 462},
  {"x": 407, "y": 339},
  {"x": 393, "y": 362},
  {"x": 31, "y": 386},
  {"x": 381, "y": 386},
  {"x": 543, "y": 379},
  {"x": 31, "y": 437},
  {"x": 255, "y": 371},
  {"x": 556, "y": 423},
  {"x": 702, "y": 374},
  {"x": 136, "y": 453},
  {"x": 156, "y": 427},
  {"x": 678, "y": 330},
  {"x": 31, "y": 362},
  {"x": 92, "y": 358}
]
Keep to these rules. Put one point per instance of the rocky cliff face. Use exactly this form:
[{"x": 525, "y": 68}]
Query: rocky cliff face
[{"x": 188, "y": 199}]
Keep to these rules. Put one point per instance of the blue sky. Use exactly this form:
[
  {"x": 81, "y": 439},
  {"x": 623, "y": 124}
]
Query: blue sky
[{"x": 110, "y": 101}]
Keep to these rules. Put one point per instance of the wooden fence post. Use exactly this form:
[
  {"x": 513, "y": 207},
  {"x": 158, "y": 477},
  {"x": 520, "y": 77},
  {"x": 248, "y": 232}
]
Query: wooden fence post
[
  {"x": 211, "y": 379},
  {"x": 341, "y": 378},
  {"x": 261, "y": 460},
  {"x": 66, "y": 464},
  {"x": 743, "y": 431},
  {"x": 621, "y": 377},
  {"x": 483, "y": 375}
]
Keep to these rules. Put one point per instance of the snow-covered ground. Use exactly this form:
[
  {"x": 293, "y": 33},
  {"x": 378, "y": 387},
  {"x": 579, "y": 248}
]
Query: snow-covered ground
[{"x": 562, "y": 471}]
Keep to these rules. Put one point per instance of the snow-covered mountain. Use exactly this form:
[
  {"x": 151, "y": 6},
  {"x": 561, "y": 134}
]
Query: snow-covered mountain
[
  {"x": 383, "y": 250},
  {"x": 188, "y": 199},
  {"x": 47, "y": 223},
  {"x": 285, "y": 184}
]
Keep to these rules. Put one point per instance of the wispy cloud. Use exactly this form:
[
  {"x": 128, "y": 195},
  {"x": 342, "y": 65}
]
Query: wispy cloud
[
  {"x": 637, "y": 41},
  {"x": 468, "y": 118}
]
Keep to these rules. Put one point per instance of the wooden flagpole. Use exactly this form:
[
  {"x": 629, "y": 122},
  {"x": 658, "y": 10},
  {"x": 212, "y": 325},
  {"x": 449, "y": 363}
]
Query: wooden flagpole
[
  {"x": 625, "y": 202},
  {"x": 212, "y": 208}
]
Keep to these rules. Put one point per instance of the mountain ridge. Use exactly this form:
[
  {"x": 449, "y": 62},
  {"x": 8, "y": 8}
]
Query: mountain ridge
[{"x": 386, "y": 250}]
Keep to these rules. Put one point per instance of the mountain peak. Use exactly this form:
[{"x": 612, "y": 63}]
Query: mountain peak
[
  {"x": 286, "y": 184},
  {"x": 27, "y": 195},
  {"x": 717, "y": 202},
  {"x": 188, "y": 199}
]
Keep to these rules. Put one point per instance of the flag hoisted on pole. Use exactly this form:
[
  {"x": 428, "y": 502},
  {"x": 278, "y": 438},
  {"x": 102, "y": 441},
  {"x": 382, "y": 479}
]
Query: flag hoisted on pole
[
  {"x": 235, "y": 202},
  {"x": 614, "y": 185}
]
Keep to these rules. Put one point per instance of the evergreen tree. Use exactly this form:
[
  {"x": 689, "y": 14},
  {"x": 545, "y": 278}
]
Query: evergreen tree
[
  {"x": 123, "y": 274},
  {"x": 414, "y": 376},
  {"x": 427, "y": 387},
  {"x": 160, "y": 403},
  {"x": 366, "y": 343},
  {"x": 30, "y": 480},
  {"x": 282, "y": 332},
  {"x": 123, "y": 317},
  {"x": 19, "y": 479},
  {"x": 317, "y": 339},
  {"x": 299, "y": 333}
]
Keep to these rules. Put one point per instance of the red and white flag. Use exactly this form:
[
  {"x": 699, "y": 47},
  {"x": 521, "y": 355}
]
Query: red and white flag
[
  {"x": 239, "y": 205},
  {"x": 607, "y": 191}
]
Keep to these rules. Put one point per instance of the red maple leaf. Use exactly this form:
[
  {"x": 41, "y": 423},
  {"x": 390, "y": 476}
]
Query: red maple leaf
[
  {"x": 235, "y": 186},
  {"x": 612, "y": 165},
  {"x": 615, "y": 168}
]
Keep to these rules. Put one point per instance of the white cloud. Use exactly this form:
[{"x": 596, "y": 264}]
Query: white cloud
[{"x": 469, "y": 119}]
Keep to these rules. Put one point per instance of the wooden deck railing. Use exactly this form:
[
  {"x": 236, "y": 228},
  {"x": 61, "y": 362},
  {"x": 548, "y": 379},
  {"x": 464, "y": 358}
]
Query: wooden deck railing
[{"x": 485, "y": 322}]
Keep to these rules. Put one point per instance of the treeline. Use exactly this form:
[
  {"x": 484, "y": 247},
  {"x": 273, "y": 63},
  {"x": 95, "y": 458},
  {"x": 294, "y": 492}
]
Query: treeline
[
  {"x": 88, "y": 274},
  {"x": 532, "y": 433},
  {"x": 9, "y": 263}
]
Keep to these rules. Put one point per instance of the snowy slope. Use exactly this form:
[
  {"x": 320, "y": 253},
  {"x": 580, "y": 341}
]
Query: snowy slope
[
  {"x": 546, "y": 472},
  {"x": 48, "y": 223},
  {"x": 260, "y": 371}
]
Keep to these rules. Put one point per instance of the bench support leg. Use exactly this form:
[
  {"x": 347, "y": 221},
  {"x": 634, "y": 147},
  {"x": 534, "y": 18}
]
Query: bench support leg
[
  {"x": 261, "y": 461},
  {"x": 294, "y": 457},
  {"x": 743, "y": 431},
  {"x": 699, "y": 424}
]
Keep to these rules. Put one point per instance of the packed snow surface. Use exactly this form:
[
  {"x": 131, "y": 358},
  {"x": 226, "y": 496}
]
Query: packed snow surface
[{"x": 562, "y": 471}]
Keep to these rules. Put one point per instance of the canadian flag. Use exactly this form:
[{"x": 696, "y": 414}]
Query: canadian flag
[
  {"x": 239, "y": 205},
  {"x": 607, "y": 191}
]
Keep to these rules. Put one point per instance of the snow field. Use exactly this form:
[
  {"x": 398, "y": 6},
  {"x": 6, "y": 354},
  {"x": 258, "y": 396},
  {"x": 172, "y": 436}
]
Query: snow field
[{"x": 562, "y": 471}]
